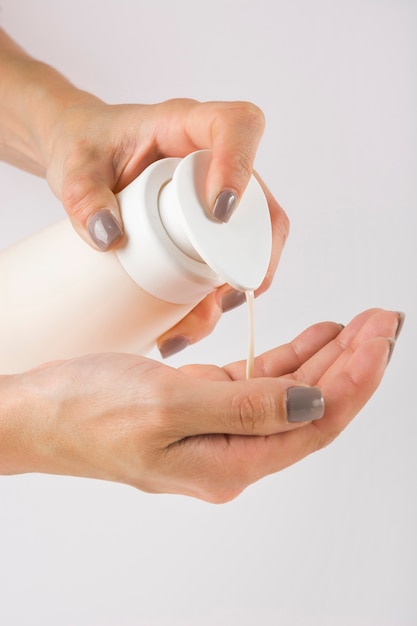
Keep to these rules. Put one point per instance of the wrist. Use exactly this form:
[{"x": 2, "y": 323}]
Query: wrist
[
  {"x": 10, "y": 417},
  {"x": 33, "y": 96},
  {"x": 23, "y": 420}
]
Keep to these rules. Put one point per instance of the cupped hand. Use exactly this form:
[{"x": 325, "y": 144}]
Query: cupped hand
[
  {"x": 201, "y": 430},
  {"x": 94, "y": 150}
]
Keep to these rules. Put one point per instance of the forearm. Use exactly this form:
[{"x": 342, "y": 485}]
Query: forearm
[
  {"x": 29, "y": 404},
  {"x": 32, "y": 97}
]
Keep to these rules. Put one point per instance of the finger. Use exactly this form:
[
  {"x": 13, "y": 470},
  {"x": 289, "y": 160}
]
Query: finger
[
  {"x": 259, "y": 406},
  {"x": 235, "y": 129},
  {"x": 280, "y": 229},
  {"x": 232, "y": 130},
  {"x": 346, "y": 390},
  {"x": 226, "y": 465},
  {"x": 286, "y": 359},
  {"x": 354, "y": 381},
  {"x": 91, "y": 205},
  {"x": 197, "y": 324},
  {"x": 369, "y": 324},
  {"x": 201, "y": 321},
  {"x": 229, "y": 298}
]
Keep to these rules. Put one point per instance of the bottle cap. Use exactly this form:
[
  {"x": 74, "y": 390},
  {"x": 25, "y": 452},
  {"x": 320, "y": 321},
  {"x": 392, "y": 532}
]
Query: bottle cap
[
  {"x": 175, "y": 249},
  {"x": 240, "y": 250}
]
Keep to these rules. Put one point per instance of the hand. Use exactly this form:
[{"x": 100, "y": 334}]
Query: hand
[
  {"x": 87, "y": 166},
  {"x": 202, "y": 430},
  {"x": 89, "y": 151}
]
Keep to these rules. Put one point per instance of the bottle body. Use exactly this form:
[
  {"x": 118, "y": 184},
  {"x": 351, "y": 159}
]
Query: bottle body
[{"x": 61, "y": 299}]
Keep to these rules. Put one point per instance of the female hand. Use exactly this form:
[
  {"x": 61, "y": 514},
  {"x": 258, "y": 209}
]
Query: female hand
[
  {"x": 202, "y": 430},
  {"x": 89, "y": 151},
  {"x": 86, "y": 174}
]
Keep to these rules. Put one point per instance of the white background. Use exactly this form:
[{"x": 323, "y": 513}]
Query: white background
[{"x": 332, "y": 540}]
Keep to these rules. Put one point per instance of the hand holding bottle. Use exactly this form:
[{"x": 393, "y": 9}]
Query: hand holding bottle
[{"x": 88, "y": 151}]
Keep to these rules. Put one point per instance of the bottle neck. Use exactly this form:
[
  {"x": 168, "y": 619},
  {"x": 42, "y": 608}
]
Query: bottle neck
[
  {"x": 175, "y": 249},
  {"x": 170, "y": 214},
  {"x": 150, "y": 255}
]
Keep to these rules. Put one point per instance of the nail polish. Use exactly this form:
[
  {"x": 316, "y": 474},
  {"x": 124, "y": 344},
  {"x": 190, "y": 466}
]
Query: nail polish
[
  {"x": 173, "y": 345},
  {"x": 224, "y": 205},
  {"x": 232, "y": 299},
  {"x": 104, "y": 229},
  {"x": 391, "y": 341},
  {"x": 304, "y": 404},
  {"x": 401, "y": 319}
]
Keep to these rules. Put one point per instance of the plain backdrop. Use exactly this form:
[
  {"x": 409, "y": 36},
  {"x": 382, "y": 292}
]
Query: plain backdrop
[{"x": 330, "y": 541}]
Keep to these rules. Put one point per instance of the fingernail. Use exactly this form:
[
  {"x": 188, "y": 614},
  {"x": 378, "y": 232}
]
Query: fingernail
[
  {"x": 104, "y": 229},
  {"x": 224, "y": 205},
  {"x": 401, "y": 318},
  {"x": 304, "y": 404},
  {"x": 231, "y": 300},
  {"x": 391, "y": 342},
  {"x": 173, "y": 345}
]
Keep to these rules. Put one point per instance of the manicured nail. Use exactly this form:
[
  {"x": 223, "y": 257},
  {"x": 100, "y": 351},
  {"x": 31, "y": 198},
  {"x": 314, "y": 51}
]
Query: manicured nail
[
  {"x": 173, "y": 345},
  {"x": 104, "y": 229},
  {"x": 231, "y": 300},
  {"x": 304, "y": 404},
  {"x": 391, "y": 342},
  {"x": 224, "y": 205},
  {"x": 401, "y": 318}
]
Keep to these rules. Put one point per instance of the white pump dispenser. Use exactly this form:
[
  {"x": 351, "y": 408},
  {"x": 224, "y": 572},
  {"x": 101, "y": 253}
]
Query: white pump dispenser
[{"x": 59, "y": 298}]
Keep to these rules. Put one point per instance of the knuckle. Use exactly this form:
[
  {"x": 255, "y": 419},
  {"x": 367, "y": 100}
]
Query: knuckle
[
  {"x": 168, "y": 421},
  {"x": 241, "y": 162},
  {"x": 239, "y": 113},
  {"x": 181, "y": 102},
  {"x": 324, "y": 438},
  {"x": 177, "y": 106},
  {"x": 77, "y": 196},
  {"x": 254, "y": 410},
  {"x": 246, "y": 122},
  {"x": 250, "y": 116},
  {"x": 328, "y": 438},
  {"x": 249, "y": 120}
]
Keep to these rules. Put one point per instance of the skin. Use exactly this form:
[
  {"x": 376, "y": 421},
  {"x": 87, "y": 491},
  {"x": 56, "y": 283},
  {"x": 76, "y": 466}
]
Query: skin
[
  {"x": 50, "y": 128},
  {"x": 201, "y": 430}
]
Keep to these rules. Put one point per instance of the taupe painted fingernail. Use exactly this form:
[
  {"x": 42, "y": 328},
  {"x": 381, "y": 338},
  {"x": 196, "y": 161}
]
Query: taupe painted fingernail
[
  {"x": 232, "y": 299},
  {"x": 173, "y": 345},
  {"x": 224, "y": 205},
  {"x": 104, "y": 229},
  {"x": 401, "y": 318},
  {"x": 391, "y": 342},
  {"x": 304, "y": 404}
]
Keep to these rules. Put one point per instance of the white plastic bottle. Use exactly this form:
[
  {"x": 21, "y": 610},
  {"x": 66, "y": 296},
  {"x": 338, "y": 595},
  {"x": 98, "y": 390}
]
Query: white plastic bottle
[{"x": 59, "y": 298}]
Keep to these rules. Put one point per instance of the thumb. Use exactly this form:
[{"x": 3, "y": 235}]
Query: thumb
[
  {"x": 257, "y": 407},
  {"x": 92, "y": 207}
]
